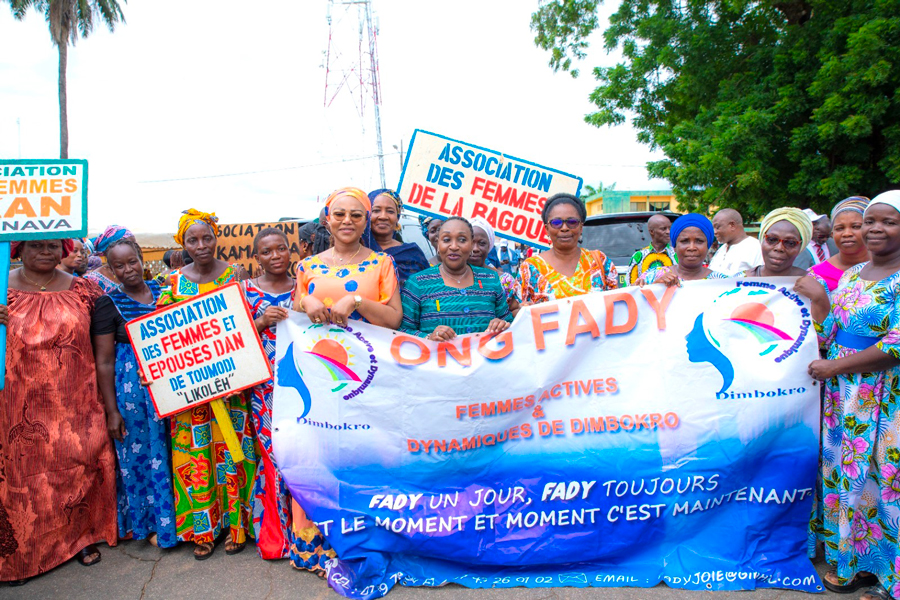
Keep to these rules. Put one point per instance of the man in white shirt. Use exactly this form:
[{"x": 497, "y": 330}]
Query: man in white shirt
[{"x": 737, "y": 251}]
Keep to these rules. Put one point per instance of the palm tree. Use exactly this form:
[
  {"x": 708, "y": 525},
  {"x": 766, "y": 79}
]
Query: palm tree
[
  {"x": 68, "y": 18},
  {"x": 588, "y": 190}
]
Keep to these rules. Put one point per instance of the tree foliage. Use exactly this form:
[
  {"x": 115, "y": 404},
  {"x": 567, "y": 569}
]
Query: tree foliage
[
  {"x": 67, "y": 19},
  {"x": 756, "y": 104}
]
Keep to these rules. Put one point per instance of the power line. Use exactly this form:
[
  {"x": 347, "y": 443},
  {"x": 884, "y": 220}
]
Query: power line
[{"x": 332, "y": 162}]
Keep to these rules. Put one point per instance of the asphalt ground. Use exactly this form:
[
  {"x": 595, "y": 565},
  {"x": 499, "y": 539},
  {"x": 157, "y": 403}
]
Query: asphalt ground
[{"x": 135, "y": 570}]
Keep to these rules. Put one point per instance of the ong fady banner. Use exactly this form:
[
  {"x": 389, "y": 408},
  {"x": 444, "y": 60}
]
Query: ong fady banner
[
  {"x": 444, "y": 177},
  {"x": 618, "y": 439}
]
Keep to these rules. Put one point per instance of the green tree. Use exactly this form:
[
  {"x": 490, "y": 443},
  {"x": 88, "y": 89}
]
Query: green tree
[
  {"x": 67, "y": 20},
  {"x": 756, "y": 104}
]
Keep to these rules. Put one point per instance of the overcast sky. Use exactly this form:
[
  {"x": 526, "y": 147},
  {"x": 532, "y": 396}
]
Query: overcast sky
[{"x": 187, "y": 91}]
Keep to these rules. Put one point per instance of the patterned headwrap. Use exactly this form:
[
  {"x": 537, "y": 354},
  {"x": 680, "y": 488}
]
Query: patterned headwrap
[
  {"x": 393, "y": 196},
  {"x": 855, "y": 204},
  {"x": 355, "y": 193},
  {"x": 482, "y": 224},
  {"x": 424, "y": 222},
  {"x": 692, "y": 220},
  {"x": 795, "y": 217},
  {"x": 891, "y": 198},
  {"x": 192, "y": 217},
  {"x": 68, "y": 246},
  {"x": 99, "y": 244}
]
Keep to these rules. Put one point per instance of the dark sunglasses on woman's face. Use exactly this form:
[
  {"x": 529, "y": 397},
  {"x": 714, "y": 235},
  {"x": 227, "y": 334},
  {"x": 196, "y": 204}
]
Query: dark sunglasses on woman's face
[
  {"x": 788, "y": 244},
  {"x": 571, "y": 223}
]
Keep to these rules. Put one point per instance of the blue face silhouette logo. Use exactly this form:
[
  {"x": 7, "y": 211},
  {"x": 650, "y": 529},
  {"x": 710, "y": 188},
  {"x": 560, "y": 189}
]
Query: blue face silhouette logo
[{"x": 701, "y": 350}]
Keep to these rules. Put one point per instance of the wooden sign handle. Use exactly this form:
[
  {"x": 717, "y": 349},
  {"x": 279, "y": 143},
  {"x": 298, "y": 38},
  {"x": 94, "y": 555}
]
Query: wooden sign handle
[{"x": 227, "y": 429}]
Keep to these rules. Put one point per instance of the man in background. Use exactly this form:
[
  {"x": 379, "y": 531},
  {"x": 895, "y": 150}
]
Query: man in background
[
  {"x": 658, "y": 254},
  {"x": 737, "y": 251},
  {"x": 509, "y": 257},
  {"x": 821, "y": 247}
]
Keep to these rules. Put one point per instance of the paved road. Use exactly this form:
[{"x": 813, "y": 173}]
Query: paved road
[{"x": 138, "y": 571}]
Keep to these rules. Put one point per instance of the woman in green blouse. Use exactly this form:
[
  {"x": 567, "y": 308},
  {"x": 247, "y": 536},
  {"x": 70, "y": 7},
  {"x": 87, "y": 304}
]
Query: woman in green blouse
[{"x": 454, "y": 298}]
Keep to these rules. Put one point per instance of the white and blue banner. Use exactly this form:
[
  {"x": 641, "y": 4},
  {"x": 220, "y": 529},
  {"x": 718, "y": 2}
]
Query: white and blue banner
[{"x": 618, "y": 439}]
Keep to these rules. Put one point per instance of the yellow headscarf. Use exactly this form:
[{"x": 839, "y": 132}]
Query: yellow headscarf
[
  {"x": 192, "y": 217},
  {"x": 355, "y": 193},
  {"x": 795, "y": 217}
]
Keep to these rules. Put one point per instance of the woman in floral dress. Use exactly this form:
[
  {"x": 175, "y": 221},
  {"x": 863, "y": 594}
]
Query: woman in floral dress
[
  {"x": 145, "y": 499},
  {"x": 861, "y": 423},
  {"x": 269, "y": 296}
]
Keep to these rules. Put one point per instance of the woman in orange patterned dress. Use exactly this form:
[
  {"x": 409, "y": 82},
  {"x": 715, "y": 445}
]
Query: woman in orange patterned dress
[
  {"x": 57, "y": 466},
  {"x": 212, "y": 492},
  {"x": 346, "y": 281},
  {"x": 566, "y": 269}
]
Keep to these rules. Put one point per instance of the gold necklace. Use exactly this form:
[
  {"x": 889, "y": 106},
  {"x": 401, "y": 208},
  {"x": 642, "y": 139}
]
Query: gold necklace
[
  {"x": 38, "y": 285},
  {"x": 343, "y": 260}
]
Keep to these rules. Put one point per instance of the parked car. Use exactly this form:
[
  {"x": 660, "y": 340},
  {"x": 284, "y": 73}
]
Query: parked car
[
  {"x": 411, "y": 232},
  {"x": 619, "y": 236}
]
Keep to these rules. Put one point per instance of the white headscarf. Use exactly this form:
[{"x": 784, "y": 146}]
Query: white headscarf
[
  {"x": 891, "y": 198},
  {"x": 482, "y": 224}
]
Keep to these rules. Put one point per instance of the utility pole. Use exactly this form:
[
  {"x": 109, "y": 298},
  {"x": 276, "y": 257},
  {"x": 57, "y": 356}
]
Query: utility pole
[
  {"x": 366, "y": 69},
  {"x": 376, "y": 87}
]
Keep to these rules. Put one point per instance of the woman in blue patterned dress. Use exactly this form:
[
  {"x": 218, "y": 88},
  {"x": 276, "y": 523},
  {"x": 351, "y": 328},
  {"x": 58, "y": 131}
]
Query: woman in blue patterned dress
[
  {"x": 145, "y": 497},
  {"x": 269, "y": 297},
  {"x": 861, "y": 435}
]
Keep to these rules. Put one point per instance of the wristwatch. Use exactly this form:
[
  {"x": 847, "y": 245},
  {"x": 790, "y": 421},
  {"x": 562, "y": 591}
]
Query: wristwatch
[{"x": 358, "y": 300}]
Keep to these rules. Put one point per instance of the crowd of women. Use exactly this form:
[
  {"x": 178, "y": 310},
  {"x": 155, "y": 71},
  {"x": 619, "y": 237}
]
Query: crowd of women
[{"x": 85, "y": 459}]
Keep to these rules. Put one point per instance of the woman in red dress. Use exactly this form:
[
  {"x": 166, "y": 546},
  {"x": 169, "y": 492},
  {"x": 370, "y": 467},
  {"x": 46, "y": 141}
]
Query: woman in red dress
[{"x": 57, "y": 466}]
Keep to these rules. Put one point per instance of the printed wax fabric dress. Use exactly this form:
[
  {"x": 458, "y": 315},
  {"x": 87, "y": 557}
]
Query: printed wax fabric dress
[
  {"x": 146, "y": 499},
  {"x": 859, "y": 509},
  {"x": 511, "y": 286},
  {"x": 647, "y": 258},
  {"x": 106, "y": 284},
  {"x": 271, "y": 498},
  {"x": 211, "y": 490},
  {"x": 428, "y": 303},
  {"x": 541, "y": 283},
  {"x": 57, "y": 466}
]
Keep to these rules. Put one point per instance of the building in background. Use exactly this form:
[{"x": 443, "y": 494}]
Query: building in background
[{"x": 619, "y": 201}]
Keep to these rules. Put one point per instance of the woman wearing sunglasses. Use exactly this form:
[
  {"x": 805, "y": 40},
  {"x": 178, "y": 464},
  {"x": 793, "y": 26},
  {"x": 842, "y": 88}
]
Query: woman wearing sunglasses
[
  {"x": 691, "y": 235},
  {"x": 566, "y": 269},
  {"x": 783, "y": 233}
]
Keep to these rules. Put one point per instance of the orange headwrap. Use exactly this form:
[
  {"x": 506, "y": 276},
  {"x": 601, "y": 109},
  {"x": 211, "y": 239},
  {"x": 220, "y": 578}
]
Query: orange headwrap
[
  {"x": 192, "y": 217},
  {"x": 355, "y": 193}
]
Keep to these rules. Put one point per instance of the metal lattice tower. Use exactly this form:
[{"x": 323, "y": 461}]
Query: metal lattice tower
[{"x": 354, "y": 71}]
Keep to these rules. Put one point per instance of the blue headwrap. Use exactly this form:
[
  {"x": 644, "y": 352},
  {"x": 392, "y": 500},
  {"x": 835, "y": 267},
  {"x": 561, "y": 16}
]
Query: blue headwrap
[
  {"x": 692, "y": 220},
  {"x": 424, "y": 221}
]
